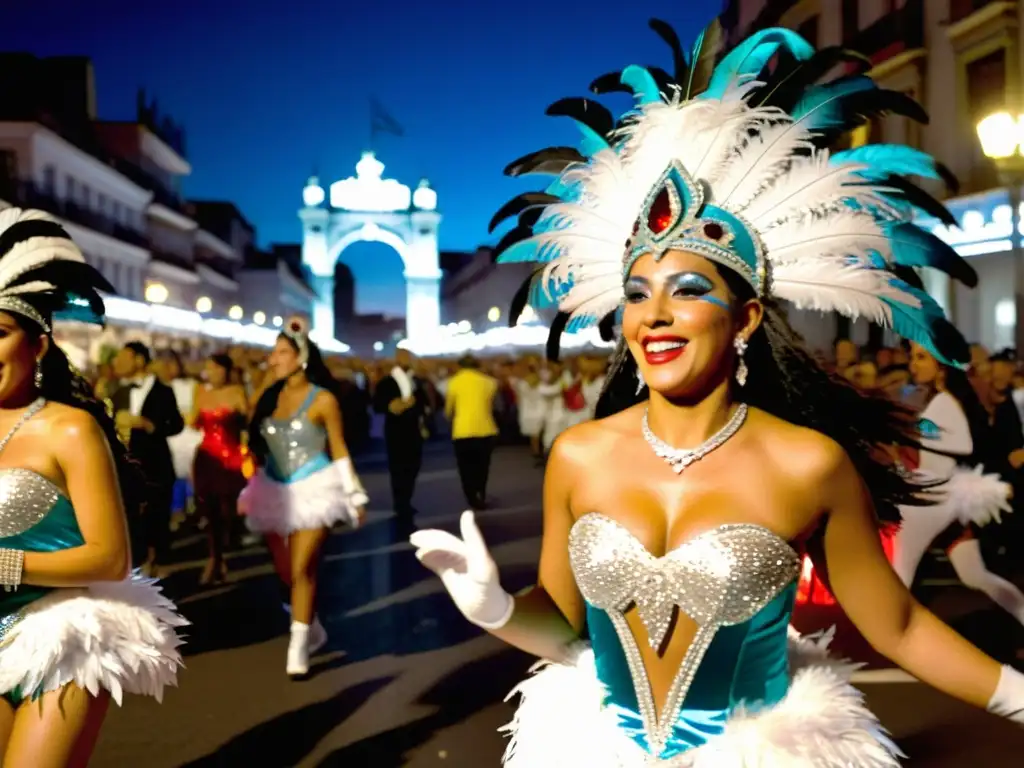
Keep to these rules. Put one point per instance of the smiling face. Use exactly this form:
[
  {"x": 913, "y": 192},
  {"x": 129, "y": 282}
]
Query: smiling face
[
  {"x": 19, "y": 351},
  {"x": 680, "y": 321}
]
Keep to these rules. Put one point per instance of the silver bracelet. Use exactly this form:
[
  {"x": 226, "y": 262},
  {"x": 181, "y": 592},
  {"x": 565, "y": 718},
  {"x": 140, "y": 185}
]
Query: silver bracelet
[{"x": 12, "y": 563}]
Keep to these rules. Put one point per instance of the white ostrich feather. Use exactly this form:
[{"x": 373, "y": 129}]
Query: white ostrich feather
[
  {"x": 851, "y": 234},
  {"x": 809, "y": 185},
  {"x": 28, "y": 254},
  {"x": 758, "y": 162},
  {"x": 835, "y": 285}
]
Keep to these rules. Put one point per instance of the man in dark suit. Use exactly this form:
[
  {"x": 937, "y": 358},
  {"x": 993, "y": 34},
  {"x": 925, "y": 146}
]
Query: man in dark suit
[
  {"x": 400, "y": 397},
  {"x": 146, "y": 414}
]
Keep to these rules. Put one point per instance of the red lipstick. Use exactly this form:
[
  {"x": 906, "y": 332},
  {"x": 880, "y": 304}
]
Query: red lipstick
[{"x": 659, "y": 350}]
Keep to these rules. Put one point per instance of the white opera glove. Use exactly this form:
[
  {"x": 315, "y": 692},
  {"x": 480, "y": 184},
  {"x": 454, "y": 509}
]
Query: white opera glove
[
  {"x": 467, "y": 571},
  {"x": 350, "y": 482},
  {"x": 1008, "y": 700}
]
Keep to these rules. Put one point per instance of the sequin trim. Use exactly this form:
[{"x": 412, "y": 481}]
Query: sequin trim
[{"x": 721, "y": 577}]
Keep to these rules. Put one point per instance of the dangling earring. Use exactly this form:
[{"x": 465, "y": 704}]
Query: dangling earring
[
  {"x": 741, "y": 368},
  {"x": 640, "y": 383},
  {"x": 37, "y": 378}
]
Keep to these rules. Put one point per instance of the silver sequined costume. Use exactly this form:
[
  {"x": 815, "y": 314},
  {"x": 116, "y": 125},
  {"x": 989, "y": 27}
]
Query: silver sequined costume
[
  {"x": 748, "y": 693},
  {"x": 299, "y": 488}
]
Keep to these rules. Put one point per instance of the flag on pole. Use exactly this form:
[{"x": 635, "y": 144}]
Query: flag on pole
[{"x": 381, "y": 121}]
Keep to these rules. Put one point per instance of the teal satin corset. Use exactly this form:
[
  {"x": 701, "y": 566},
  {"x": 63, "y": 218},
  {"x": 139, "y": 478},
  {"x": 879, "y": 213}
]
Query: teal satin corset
[
  {"x": 736, "y": 582},
  {"x": 746, "y": 663},
  {"x": 297, "y": 448},
  {"x": 35, "y": 517}
]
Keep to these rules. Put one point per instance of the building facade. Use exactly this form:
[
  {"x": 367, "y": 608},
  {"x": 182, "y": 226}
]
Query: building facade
[
  {"x": 115, "y": 186},
  {"x": 962, "y": 59}
]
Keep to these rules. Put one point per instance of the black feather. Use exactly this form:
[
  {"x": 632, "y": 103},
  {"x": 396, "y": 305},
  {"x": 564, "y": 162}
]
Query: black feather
[
  {"x": 26, "y": 229},
  {"x": 908, "y": 275},
  {"x": 513, "y": 236},
  {"x": 67, "y": 276},
  {"x": 791, "y": 78},
  {"x": 950, "y": 342},
  {"x": 917, "y": 197},
  {"x": 554, "y": 345},
  {"x": 949, "y": 179},
  {"x": 679, "y": 62},
  {"x": 520, "y": 299},
  {"x": 609, "y": 83},
  {"x": 607, "y": 326},
  {"x": 704, "y": 60},
  {"x": 552, "y": 160},
  {"x": 518, "y": 204},
  {"x": 590, "y": 113},
  {"x": 665, "y": 81},
  {"x": 862, "y": 106}
]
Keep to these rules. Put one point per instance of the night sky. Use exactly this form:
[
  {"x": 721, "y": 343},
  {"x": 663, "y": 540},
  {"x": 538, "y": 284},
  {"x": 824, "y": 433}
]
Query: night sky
[{"x": 268, "y": 95}]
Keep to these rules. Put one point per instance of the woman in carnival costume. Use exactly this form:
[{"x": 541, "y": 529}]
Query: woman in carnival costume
[
  {"x": 306, "y": 482},
  {"x": 76, "y": 631},
  {"x": 685, "y": 225},
  {"x": 959, "y": 458}
]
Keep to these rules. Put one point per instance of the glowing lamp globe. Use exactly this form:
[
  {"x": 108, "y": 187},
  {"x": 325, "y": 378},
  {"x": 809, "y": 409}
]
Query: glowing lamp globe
[
  {"x": 236, "y": 312},
  {"x": 1000, "y": 135},
  {"x": 204, "y": 304},
  {"x": 424, "y": 197},
  {"x": 313, "y": 195},
  {"x": 156, "y": 293}
]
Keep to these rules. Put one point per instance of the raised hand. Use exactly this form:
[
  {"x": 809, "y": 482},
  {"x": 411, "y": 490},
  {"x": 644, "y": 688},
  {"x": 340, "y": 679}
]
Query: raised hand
[{"x": 467, "y": 571}]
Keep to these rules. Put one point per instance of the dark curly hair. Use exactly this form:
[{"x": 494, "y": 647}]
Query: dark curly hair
[
  {"x": 317, "y": 373},
  {"x": 786, "y": 381}
]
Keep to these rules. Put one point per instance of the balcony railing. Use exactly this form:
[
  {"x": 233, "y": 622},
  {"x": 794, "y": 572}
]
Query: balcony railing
[
  {"x": 961, "y": 9},
  {"x": 901, "y": 30},
  {"x": 161, "y": 194},
  {"x": 182, "y": 262},
  {"x": 221, "y": 267},
  {"x": 28, "y": 195}
]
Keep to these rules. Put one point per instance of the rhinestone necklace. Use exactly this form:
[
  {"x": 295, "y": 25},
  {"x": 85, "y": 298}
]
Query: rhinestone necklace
[
  {"x": 680, "y": 458},
  {"x": 32, "y": 410}
]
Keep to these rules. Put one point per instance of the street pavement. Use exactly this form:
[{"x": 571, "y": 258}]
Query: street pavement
[{"x": 405, "y": 681}]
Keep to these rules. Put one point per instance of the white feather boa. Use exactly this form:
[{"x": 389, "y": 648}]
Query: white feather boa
[
  {"x": 117, "y": 636},
  {"x": 317, "y": 501},
  {"x": 974, "y": 497},
  {"x": 561, "y": 722}
]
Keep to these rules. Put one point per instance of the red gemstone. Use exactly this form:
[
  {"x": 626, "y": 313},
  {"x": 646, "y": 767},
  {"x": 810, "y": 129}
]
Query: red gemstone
[
  {"x": 713, "y": 230},
  {"x": 659, "y": 217}
]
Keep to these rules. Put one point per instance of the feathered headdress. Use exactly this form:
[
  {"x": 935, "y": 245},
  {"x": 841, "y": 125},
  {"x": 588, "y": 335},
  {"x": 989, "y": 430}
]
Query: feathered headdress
[
  {"x": 42, "y": 272},
  {"x": 731, "y": 162}
]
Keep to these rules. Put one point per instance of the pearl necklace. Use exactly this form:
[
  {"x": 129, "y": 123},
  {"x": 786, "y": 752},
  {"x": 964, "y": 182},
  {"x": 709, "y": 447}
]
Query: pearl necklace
[{"x": 680, "y": 458}]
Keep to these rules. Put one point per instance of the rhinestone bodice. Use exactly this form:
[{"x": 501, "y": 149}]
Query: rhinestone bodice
[
  {"x": 293, "y": 444},
  {"x": 724, "y": 577},
  {"x": 36, "y": 517}
]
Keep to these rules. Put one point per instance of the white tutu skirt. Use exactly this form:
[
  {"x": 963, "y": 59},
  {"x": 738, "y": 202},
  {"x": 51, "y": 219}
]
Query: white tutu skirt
[
  {"x": 562, "y": 722},
  {"x": 317, "y": 501},
  {"x": 116, "y": 636}
]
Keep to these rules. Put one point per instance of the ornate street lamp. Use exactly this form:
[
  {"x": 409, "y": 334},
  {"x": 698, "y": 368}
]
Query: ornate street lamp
[{"x": 1001, "y": 136}]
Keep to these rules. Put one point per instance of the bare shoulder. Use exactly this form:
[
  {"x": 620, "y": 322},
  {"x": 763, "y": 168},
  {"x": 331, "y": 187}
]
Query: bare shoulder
[
  {"x": 799, "y": 452},
  {"x": 583, "y": 444},
  {"x": 325, "y": 399},
  {"x": 71, "y": 426}
]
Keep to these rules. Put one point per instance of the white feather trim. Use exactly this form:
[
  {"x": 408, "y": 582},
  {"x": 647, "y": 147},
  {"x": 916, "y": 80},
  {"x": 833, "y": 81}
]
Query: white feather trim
[
  {"x": 562, "y": 722},
  {"x": 976, "y": 497},
  {"x": 835, "y": 285},
  {"x": 117, "y": 636},
  {"x": 33, "y": 252},
  {"x": 317, "y": 501},
  {"x": 850, "y": 234}
]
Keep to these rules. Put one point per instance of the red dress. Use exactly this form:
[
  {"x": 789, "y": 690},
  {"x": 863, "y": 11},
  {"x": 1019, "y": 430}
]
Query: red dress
[{"x": 221, "y": 455}]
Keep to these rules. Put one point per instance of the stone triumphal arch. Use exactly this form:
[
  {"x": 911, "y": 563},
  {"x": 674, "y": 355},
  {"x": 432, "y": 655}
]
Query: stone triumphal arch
[{"x": 368, "y": 207}]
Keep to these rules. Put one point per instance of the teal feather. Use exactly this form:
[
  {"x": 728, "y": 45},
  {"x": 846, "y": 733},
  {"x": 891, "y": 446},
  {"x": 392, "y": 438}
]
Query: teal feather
[
  {"x": 914, "y": 247},
  {"x": 748, "y": 59},
  {"x": 593, "y": 142},
  {"x": 581, "y": 322},
  {"x": 927, "y": 325},
  {"x": 884, "y": 159},
  {"x": 529, "y": 251},
  {"x": 642, "y": 83},
  {"x": 821, "y": 106}
]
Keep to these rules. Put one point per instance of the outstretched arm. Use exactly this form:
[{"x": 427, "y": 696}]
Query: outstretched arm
[
  {"x": 544, "y": 620},
  {"x": 881, "y": 607}
]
